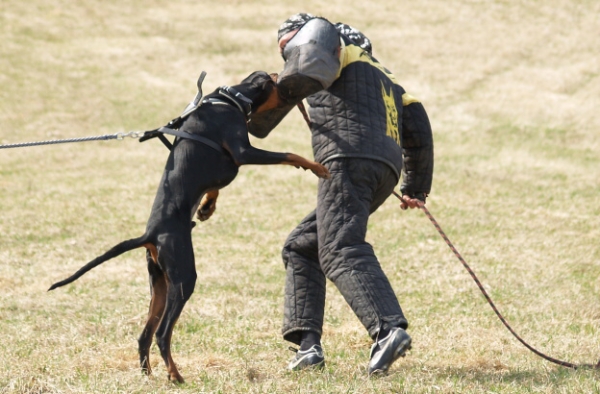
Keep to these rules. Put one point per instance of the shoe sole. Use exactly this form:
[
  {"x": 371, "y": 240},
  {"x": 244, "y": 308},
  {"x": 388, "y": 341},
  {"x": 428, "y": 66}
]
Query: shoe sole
[
  {"x": 302, "y": 367},
  {"x": 311, "y": 360}
]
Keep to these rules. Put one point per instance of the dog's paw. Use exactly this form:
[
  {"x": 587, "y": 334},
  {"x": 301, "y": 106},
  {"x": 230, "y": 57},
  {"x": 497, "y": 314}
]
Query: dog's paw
[
  {"x": 205, "y": 212},
  {"x": 321, "y": 171},
  {"x": 208, "y": 205}
]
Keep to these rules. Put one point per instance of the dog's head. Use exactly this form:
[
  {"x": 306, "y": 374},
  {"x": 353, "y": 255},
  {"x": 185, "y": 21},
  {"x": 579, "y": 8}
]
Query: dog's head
[{"x": 261, "y": 88}]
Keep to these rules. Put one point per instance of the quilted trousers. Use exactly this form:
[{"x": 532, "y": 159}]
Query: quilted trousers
[{"x": 330, "y": 243}]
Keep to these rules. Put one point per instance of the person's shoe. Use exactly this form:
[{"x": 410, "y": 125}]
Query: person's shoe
[
  {"x": 311, "y": 358},
  {"x": 387, "y": 350}
]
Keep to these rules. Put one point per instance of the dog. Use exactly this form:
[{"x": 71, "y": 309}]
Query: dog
[{"x": 200, "y": 164}]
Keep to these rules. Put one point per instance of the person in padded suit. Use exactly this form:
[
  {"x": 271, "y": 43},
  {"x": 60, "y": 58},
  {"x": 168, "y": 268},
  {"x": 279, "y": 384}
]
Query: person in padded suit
[{"x": 367, "y": 131}]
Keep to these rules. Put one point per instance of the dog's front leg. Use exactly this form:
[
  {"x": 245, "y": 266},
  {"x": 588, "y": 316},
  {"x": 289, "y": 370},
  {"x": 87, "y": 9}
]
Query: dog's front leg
[
  {"x": 243, "y": 153},
  {"x": 208, "y": 205},
  {"x": 297, "y": 161}
]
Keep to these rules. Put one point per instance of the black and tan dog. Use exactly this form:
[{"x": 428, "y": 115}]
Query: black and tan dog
[{"x": 195, "y": 170}]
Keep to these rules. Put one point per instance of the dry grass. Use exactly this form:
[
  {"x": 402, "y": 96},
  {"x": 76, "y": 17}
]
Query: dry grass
[{"x": 512, "y": 90}]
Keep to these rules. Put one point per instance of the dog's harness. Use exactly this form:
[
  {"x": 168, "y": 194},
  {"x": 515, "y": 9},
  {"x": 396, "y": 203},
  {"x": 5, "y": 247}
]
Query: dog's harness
[{"x": 230, "y": 97}]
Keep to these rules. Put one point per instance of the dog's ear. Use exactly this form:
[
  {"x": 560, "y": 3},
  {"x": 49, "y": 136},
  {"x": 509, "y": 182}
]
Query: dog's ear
[
  {"x": 258, "y": 79},
  {"x": 272, "y": 81}
]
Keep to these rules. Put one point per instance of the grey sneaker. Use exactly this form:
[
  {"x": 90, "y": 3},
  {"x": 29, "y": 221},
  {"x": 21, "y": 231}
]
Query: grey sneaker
[
  {"x": 312, "y": 357},
  {"x": 387, "y": 350}
]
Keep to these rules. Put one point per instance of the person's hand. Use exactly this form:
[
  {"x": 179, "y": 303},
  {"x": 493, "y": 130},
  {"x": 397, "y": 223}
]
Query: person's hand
[{"x": 409, "y": 202}]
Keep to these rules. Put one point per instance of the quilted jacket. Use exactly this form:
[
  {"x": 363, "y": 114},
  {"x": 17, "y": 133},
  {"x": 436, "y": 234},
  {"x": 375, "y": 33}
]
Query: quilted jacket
[{"x": 363, "y": 112}]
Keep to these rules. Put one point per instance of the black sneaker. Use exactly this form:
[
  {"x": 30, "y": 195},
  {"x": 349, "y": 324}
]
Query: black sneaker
[
  {"x": 312, "y": 357},
  {"x": 387, "y": 350}
]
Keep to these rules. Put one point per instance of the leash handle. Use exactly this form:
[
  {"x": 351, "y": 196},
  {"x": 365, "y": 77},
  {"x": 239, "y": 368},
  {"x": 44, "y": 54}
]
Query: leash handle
[{"x": 488, "y": 298}]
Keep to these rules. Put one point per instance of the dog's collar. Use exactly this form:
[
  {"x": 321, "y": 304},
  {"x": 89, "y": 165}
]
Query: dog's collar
[{"x": 243, "y": 103}]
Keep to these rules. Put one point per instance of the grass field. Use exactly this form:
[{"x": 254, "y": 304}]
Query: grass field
[{"x": 512, "y": 89}]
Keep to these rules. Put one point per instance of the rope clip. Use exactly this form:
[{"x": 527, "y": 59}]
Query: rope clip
[{"x": 132, "y": 134}]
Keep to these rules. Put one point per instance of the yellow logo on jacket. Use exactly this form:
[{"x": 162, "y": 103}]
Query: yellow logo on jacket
[
  {"x": 391, "y": 113},
  {"x": 353, "y": 53}
]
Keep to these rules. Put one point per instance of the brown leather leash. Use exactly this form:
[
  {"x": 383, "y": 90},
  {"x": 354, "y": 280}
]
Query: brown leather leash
[{"x": 489, "y": 300}]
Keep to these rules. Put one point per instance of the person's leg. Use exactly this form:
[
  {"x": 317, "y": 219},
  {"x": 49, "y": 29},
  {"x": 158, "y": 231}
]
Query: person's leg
[
  {"x": 356, "y": 189},
  {"x": 304, "y": 302}
]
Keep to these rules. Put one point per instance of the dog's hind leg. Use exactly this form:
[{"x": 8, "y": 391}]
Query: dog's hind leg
[
  {"x": 176, "y": 258},
  {"x": 158, "y": 294}
]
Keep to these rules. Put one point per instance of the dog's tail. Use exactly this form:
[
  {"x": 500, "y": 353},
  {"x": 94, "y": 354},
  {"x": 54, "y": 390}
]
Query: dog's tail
[{"x": 117, "y": 250}]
